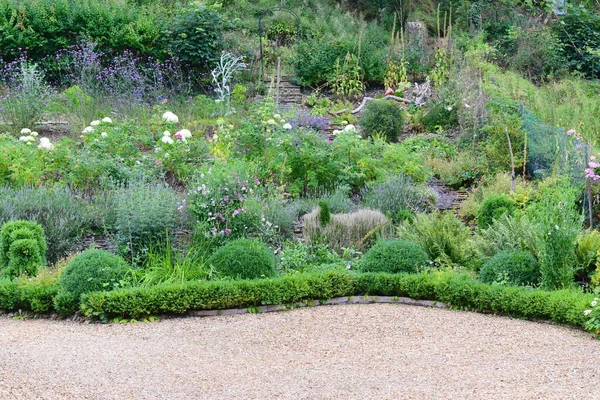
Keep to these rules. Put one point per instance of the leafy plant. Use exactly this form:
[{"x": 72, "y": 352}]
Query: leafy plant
[
  {"x": 91, "y": 271},
  {"x": 61, "y": 212},
  {"x": 27, "y": 97},
  {"x": 146, "y": 215},
  {"x": 243, "y": 259},
  {"x": 394, "y": 256},
  {"x": 196, "y": 34},
  {"x": 444, "y": 237},
  {"x": 383, "y": 117},
  {"x": 511, "y": 267},
  {"x": 493, "y": 207},
  {"x": 346, "y": 82}
]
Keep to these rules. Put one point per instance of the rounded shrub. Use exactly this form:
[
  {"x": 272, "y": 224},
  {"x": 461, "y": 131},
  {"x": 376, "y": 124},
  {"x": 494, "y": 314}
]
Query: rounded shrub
[
  {"x": 22, "y": 248},
  {"x": 493, "y": 207},
  {"x": 383, "y": 117},
  {"x": 92, "y": 271},
  {"x": 394, "y": 256},
  {"x": 515, "y": 267},
  {"x": 244, "y": 259}
]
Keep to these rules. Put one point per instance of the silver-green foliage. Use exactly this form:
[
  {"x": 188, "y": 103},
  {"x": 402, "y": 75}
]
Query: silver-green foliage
[{"x": 27, "y": 98}]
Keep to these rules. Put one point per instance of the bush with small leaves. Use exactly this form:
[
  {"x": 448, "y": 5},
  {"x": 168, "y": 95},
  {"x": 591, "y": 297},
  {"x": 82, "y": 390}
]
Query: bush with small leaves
[
  {"x": 493, "y": 207},
  {"x": 383, "y": 117},
  {"x": 92, "y": 271},
  {"x": 22, "y": 248},
  {"x": 513, "y": 267},
  {"x": 244, "y": 259},
  {"x": 394, "y": 256}
]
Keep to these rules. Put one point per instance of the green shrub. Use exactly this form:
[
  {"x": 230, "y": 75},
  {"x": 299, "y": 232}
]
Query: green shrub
[
  {"x": 512, "y": 267},
  {"x": 197, "y": 35},
  {"x": 59, "y": 210},
  {"x": 493, "y": 207},
  {"x": 47, "y": 26},
  {"x": 244, "y": 259},
  {"x": 93, "y": 270},
  {"x": 27, "y": 295},
  {"x": 146, "y": 215},
  {"x": 393, "y": 256},
  {"x": 383, "y": 117},
  {"x": 440, "y": 115},
  {"x": 505, "y": 233},
  {"x": 324, "y": 213},
  {"x": 22, "y": 248},
  {"x": 443, "y": 236},
  {"x": 579, "y": 33}
]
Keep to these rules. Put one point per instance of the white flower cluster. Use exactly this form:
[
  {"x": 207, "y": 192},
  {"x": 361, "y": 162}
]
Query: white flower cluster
[
  {"x": 90, "y": 128},
  {"x": 349, "y": 128},
  {"x": 29, "y": 137},
  {"x": 593, "y": 304},
  {"x": 170, "y": 118}
]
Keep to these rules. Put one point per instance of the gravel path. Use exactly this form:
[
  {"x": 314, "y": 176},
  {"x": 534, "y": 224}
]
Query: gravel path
[{"x": 346, "y": 352}]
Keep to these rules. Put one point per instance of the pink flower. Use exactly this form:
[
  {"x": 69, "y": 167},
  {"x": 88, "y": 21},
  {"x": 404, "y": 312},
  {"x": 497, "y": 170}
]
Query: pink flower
[
  {"x": 158, "y": 162},
  {"x": 571, "y": 132}
]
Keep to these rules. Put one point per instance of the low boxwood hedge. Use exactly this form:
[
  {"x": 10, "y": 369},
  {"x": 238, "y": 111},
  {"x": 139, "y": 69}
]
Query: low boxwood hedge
[{"x": 454, "y": 289}]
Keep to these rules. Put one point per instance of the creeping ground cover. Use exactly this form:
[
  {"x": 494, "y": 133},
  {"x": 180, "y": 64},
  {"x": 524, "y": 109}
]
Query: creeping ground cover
[{"x": 161, "y": 157}]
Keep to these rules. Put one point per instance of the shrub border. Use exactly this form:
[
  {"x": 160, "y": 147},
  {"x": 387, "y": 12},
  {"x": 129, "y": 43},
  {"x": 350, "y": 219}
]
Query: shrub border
[{"x": 453, "y": 289}]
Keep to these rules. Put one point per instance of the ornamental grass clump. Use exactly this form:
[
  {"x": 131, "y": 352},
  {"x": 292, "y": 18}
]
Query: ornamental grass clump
[
  {"x": 344, "y": 230},
  {"x": 394, "y": 256},
  {"x": 22, "y": 248},
  {"x": 244, "y": 259}
]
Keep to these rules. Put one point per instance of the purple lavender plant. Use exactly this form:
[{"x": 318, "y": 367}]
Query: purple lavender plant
[{"x": 310, "y": 122}]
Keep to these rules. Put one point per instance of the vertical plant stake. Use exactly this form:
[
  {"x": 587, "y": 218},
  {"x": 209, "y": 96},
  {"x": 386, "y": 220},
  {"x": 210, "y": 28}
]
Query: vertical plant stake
[{"x": 222, "y": 77}]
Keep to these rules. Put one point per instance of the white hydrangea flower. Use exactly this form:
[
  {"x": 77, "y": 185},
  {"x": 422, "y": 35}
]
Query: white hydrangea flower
[
  {"x": 184, "y": 133},
  {"x": 45, "y": 144},
  {"x": 277, "y": 116},
  {"x": 271, "y": 122},
  {"x": 26, "y": 138},
  {"x": 34, "y": 134},
  {"x": 107, "y": 120},
  {"x": 88, "y": 129},
  {"x": 104, "y": 134},
  {"x": 170, "y": 117},
  {"x": 287, "y": 126},
  {"x": 167, "y": 140},
  {"x": 349, "y": 128},
  {"x": 95, "y": 122},
  {"x": 336, "y": 132},
  {"x": 25, "y": 131}
]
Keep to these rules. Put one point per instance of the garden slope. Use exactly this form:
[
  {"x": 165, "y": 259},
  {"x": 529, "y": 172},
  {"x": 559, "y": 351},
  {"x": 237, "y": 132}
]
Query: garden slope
[{"x": 359, "y": 351}]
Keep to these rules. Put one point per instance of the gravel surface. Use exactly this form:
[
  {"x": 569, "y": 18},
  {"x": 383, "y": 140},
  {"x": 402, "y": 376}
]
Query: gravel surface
[{"x": 378, "y": 351}]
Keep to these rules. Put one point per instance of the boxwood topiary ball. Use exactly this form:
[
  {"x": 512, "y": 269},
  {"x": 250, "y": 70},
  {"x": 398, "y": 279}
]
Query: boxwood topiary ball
[
  {"x": 394, "y": 256},
  {"x": 244, "y": 259},
  {"x": 92, "y": 271},
  {"x": 514, "y": 267}
]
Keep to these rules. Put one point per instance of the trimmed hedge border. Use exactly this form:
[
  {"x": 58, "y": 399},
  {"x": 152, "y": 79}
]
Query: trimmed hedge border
[{"x": 454, "y": 289}]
